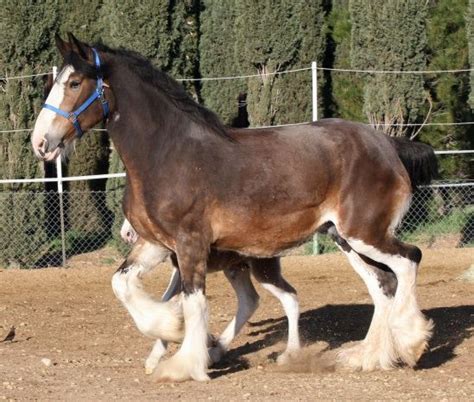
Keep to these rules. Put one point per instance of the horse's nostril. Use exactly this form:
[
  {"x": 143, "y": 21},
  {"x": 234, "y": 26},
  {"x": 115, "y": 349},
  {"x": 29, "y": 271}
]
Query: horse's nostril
[
  {"x": 44, "y": 145},
  {"x": 40, "y": 147}
]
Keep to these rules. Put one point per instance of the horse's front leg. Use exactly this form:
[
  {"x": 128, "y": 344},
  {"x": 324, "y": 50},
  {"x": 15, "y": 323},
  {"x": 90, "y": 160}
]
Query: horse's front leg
[
  {"x": 191, "y": 360},
  {"x": 159, "y": 348},
  {"x": 153, "y": 318}
]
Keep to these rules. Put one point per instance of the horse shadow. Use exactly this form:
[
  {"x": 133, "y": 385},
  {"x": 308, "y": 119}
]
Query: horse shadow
[{"x": 339, "y": 324}]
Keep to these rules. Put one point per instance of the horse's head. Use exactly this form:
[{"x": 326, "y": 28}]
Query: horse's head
[{"x": 78, "y": 100}]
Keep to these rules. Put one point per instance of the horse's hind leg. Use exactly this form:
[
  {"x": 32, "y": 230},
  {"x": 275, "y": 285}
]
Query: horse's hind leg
[
  {"x": 157, "y": 352},
  {"x": 247, "y": 299},
  {"x": 377, "y": 349},
  {"x": 409, "y": 329},
  {"x": 268, "y": 273},
  {"x": 399, "y": 331}
]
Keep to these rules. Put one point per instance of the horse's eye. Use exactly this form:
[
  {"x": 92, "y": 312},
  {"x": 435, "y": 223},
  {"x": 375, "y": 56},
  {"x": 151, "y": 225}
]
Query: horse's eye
[{"x": 75, "y": 85}]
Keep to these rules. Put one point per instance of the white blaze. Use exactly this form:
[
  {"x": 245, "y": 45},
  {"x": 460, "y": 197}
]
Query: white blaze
[{"x": 44, "y": 121}]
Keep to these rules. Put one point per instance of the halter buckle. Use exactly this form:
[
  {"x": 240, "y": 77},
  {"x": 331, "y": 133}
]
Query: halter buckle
[{"x": 72, "y": 117}]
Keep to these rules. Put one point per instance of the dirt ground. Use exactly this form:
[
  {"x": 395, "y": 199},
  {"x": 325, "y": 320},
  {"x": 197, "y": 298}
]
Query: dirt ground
[{"x": 71, "y": 317}]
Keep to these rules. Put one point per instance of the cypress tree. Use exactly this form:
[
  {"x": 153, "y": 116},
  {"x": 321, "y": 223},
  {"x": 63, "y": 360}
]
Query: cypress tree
[
  {"x": 470, "y": 32},
  {"x": 447, "y": 45},
  {"x": 381, "y": 41},
  {"x": 347, "y": 88},
  {"x": 184, "y": 50},
  {"x": 26, "y": 47},
  {"x": 470, "y": 24},
  {"x": 218, "y": 59},
  {"x": 259, "y": 47},
  {"x": 293, "y": 91},
  {"x": 85, "y": 204},
  {"x": 140, "y": 26}
]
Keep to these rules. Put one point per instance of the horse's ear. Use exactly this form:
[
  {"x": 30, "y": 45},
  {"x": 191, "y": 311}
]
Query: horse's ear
[
  {"x": 82, "y": 49},
  {"x": 63, "y": 46}
]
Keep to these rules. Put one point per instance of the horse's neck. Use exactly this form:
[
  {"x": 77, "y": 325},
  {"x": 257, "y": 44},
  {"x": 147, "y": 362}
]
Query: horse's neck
[
  {"x": 154, "y": 138},
  {"x": 145, "y": 124}
]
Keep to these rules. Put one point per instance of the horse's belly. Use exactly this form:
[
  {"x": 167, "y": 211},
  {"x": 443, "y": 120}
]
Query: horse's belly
[{"x": 268, "y": 236}]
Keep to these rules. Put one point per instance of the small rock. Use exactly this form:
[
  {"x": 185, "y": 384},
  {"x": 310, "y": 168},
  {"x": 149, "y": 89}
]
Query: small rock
[{"x": 47, "y": 362}]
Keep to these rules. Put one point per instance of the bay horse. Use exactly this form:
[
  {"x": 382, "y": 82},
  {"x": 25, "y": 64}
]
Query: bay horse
[
  {"x": 153, "y": 319},
  {"x": 194, "y": 186}
]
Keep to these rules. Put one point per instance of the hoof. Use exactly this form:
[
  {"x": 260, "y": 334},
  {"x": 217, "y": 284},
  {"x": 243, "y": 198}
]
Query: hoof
[
  {"x": 216, "y": 353},
  {"x": 179, "y": 369},
  {"x": 149, "y": 370},
  {"x": 351, "y": 358},
  {"x": 150, "y": 364},
  {"x": 288, "y": 356},
  {"x": 412, "y": 340},
  {"x": 362, "y": 357}
]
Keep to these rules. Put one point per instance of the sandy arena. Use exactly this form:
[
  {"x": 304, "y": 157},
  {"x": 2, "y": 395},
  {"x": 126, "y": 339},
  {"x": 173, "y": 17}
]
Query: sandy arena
[{"x": 71, "y": 318}]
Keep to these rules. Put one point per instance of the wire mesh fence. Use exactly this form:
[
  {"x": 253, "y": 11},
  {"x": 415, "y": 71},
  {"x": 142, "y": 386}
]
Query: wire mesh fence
[
  {"x": 35, "y": 235},
  {"x": 33, "y": 230}
]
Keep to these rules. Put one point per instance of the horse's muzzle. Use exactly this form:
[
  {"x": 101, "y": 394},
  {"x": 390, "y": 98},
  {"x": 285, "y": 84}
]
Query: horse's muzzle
[{"x": 48, "y": 149}]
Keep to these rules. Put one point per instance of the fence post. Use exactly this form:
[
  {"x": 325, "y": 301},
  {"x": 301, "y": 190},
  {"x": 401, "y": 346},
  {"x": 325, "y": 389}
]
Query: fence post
[
  {"x": 59, "y": 174},
  {"x": 314, "y": 93}
]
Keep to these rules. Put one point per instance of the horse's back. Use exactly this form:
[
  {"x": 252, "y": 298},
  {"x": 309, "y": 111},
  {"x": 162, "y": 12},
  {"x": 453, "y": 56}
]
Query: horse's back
[{"x": 326, "y": 145}]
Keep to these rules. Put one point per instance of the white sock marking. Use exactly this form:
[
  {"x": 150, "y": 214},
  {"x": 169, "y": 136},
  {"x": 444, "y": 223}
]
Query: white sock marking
[
  {"x": 159, "y": 349},
  {"x": 377, "y": 348},
  {"x": 289, "y": 302}
]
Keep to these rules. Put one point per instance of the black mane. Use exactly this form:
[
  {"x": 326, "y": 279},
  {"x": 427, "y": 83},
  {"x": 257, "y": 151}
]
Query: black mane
[{"x": 173, "y": 90}]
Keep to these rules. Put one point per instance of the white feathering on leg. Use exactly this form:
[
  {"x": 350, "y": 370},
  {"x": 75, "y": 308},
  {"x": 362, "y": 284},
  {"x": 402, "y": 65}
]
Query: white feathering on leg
[
  {"x": 192, "y": 359},
  {"x": 154, "y": 319}
]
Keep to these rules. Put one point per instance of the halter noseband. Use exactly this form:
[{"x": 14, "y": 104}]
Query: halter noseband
[{"x": 97, "y": 94}]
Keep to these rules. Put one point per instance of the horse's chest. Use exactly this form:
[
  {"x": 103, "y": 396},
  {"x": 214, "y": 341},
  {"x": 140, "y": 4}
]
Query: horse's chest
[{"x": 143, "y": 220}]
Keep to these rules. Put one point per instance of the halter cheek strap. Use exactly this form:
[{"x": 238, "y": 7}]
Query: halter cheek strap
[{"x": 97, "y": 94}]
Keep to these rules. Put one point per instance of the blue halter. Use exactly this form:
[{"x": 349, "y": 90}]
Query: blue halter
[{"x": 97, "y": 94}]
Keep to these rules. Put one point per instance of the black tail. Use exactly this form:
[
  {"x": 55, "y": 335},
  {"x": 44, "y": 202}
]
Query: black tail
[{"x": 419, "y": 160}]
